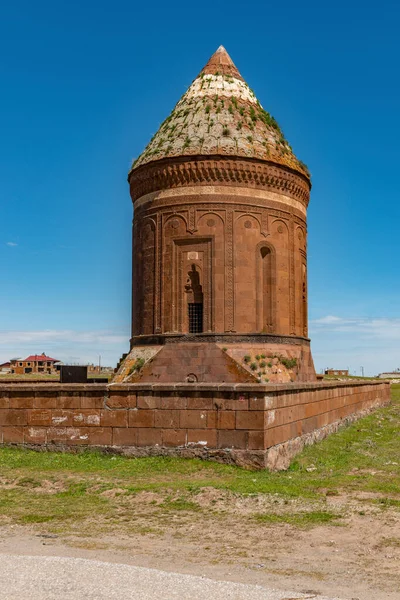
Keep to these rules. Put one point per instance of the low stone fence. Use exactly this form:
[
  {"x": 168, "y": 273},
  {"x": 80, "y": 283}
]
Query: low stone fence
[{"x": 259, "y": 426}]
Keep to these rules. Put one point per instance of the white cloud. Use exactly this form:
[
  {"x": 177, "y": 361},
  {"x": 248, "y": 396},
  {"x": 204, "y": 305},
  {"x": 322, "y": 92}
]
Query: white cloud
[
  {"x": 381, "y": 327},
  {"x": 11, "y": 244},
  {"x": 66, "y": 345},
  {"x": 341, "y": 342},
  {"x": 51, "y": 335},
  {"x": 328, "y": 319}
]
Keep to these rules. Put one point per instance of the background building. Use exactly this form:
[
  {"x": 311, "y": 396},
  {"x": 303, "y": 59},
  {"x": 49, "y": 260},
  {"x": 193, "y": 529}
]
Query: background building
[
  {"x": 344, "y": 372},
  {"x": 390, "y": 375},
  {"x": 35, "y": 363}
]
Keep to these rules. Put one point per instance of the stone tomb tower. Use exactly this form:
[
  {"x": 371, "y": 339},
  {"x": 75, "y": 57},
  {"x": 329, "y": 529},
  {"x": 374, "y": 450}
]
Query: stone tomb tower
[{"x": 219, "y": 243}]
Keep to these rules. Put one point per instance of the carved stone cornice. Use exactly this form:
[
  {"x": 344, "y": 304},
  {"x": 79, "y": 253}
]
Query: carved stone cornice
[{"x": 217, "y": 170}]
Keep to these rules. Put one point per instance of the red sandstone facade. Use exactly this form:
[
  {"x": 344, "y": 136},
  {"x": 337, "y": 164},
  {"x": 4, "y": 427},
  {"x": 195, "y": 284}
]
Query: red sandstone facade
[
  {"x": 255, "y": 426},
  {"x": 219, "y": 240}
]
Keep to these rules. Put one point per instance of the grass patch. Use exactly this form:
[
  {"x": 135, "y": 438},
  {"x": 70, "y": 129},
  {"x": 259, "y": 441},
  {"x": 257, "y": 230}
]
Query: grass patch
[
  {"x": 391, "y": 542},
  {"x": 300, "y": 519},
  {"x": 28, "y": 481},
  {"x": 361, "y": 457},
  {"x": 32, "y": 518},
  {"x": 388, "y": 502},
  {"x": 180, "y": 504}
]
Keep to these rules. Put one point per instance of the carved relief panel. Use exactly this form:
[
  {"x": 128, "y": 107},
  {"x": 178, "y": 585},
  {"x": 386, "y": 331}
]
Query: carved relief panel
[
  {"x": 192, "y": 285},
  {"x": 284, "y": 309},
  {"x": 246, "y": 237}
]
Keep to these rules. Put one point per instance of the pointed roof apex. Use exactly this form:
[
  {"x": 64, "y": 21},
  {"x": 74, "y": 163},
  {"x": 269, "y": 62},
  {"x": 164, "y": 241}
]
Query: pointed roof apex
[
  {"x": 220, "y": 115},
  {"x": 221, "y": 64}
]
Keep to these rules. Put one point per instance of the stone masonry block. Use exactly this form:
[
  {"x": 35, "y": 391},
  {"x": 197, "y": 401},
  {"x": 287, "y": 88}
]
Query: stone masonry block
[
  {"x": 167, "y": 419},
  {"x": 88, "y": 436},
  {"x": 13, "y": 417},
  {"x": 147, "y": 401},
  {"x": 114, "y": 418},
  {"x": 57, "y": 435},
  {"x": 75, "y": 436},
  {"x": 193, "y": 419},
  {"x": 240, "y": 402},
  {"x": 250, "y": 419},
  {"x": 226, "y": 419},
  {"x": 35, "y": 435},
  {"x": 124, "y": 437},
  {"x": 176, "y": 402},
  {"x": 141, "y": 418},
  {"x": 256, "y": 440},
  {"x": 201, "y": 401},
  {"x": 13, "y": 435},
  {"x": 277, "y": 435},
  {"x": 174, "y": 437},
  {"x": 86, "y": 417},
  {"x": 258, "y": 402},
  {"x": 121, "y": 400},
  {"x": 149, "y": 437},
  {"x": 45, "y": 400},
  {"x": 39, "y": 417},
  {"x": 202, "y": 437},
  {"x": 99, "y": 436},
  {"x": 62, "y": 418},
  {"x": 232, "y": 439},
  {"x": 71, "y": 400},
  {"x": 22, "y": 400},
  {"x": 92, "y": 400},
  {"x": 212, "y": 419},
  {"x": 4, "y": 400}
]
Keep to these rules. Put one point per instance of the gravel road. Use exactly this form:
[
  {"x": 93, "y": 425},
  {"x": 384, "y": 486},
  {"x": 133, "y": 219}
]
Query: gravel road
[{"x": 50, "y": 578}]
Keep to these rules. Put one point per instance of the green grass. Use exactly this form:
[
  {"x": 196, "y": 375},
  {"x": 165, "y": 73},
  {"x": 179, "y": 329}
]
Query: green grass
[
  {"x": 299, "y": 519},
  {"x": 42, "y": 487},
  {"x": 20, "y": 506},
  {"x": 180, "y": 504}
]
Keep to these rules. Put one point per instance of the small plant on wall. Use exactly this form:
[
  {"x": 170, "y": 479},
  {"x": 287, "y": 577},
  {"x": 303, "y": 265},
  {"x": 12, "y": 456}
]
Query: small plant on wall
[
  {"x": 138, "y": 366},
  {"x": 289, "y": 363}
]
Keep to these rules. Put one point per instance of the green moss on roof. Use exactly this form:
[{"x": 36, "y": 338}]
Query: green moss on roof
[{"x": 220, "y": 115}]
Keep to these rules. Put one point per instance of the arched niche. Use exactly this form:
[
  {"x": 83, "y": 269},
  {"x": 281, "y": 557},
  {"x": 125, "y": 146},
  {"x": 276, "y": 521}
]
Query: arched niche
[
  {"x": 246, "y": 236},
  {"x": 266, "y": 288},
  {"x": 194, "y": 300},
  {"x": 145, "y": 288},
  {"x": 304, "y": 306}
]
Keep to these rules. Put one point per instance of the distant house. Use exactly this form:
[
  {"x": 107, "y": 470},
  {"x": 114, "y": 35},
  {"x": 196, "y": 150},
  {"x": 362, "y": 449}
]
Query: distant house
[
  {"x": 5, "y": 367},
  {"x": 35, "y": 363},
  {"x": 391, "y": 375},
  {"x": 342, "y": 372}
]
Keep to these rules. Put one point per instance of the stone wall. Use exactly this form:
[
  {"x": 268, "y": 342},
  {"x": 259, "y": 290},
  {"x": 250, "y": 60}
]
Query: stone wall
[{"x": 250, "y": 425}]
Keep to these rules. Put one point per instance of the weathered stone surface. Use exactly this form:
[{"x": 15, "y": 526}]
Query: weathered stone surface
[
  {"x": 220, "y": 115},
  {"x": 219, "y": 243}
]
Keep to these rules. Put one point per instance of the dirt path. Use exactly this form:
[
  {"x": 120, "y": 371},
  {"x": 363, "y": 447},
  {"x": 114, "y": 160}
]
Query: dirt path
[{"x": 356, "y": 559}]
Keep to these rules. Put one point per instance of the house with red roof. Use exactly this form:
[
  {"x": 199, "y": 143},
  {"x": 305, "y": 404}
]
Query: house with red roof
[{"x": 35, "y": 363}]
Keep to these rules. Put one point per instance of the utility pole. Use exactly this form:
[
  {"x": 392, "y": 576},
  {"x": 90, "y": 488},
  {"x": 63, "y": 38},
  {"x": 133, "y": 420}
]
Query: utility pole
[
  {"x": 99, "y": 363},
  {"x": 362, "y": 371}
]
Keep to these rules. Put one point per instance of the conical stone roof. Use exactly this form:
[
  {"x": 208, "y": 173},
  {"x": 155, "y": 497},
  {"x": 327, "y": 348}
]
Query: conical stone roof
[{"x": 220, "y": 115}]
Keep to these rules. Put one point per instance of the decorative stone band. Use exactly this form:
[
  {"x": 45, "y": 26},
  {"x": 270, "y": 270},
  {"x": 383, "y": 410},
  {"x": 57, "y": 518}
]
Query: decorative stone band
[
  {"x": 177, "y": 172},
  {"x": 219, "y": 338}
]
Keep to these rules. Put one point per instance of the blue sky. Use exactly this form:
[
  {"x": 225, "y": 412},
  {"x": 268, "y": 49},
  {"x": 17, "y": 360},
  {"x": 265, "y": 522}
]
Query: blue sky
[{"x": 84, "y": 85}]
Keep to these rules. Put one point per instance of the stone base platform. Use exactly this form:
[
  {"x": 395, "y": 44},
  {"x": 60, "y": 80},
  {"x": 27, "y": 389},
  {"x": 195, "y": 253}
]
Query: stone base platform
[
  {"x": 226, "y": 358},
  {"x": 254, "y": 426}
]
